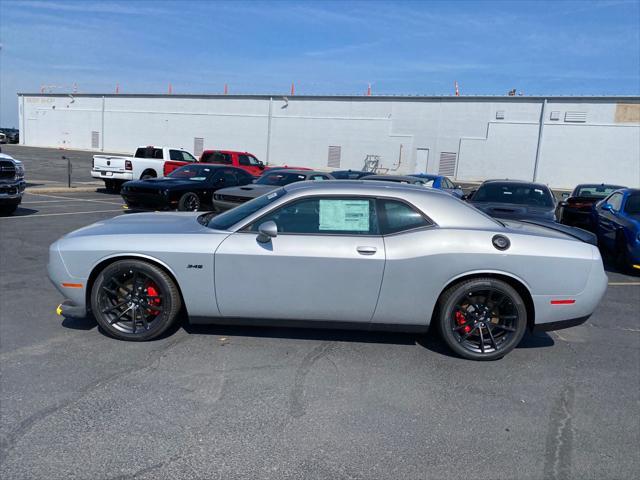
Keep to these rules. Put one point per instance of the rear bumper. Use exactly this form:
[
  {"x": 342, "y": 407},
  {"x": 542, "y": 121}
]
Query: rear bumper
[
  {"x": 561, "y": 310},
  {"x": 111, "y": 175},
  {"x": 146, "y": 200},
  {"x": 559, "y": 325}
]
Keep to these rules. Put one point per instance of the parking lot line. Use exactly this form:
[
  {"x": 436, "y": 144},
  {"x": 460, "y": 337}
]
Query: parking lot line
[
  {"x": 620, "y": 284},
  {"x": 74, "y": 199},
  {"x": 57, "y": 214}
]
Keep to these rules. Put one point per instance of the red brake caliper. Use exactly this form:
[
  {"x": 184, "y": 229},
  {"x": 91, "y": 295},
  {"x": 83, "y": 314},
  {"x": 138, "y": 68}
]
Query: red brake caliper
[
  {"x": 461, "y": 320},
  {"x": 153, "y": 299}
]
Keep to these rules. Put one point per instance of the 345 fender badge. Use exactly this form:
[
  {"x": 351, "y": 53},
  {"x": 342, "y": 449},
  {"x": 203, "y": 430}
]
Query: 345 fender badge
[{"x": 191, "y": 265}]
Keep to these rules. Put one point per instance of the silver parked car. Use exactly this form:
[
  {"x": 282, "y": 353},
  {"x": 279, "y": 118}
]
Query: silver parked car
[{"x": 368, "y": 255}]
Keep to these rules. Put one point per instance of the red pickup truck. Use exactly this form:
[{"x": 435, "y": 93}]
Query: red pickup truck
[{"x": 244, "y": 160}]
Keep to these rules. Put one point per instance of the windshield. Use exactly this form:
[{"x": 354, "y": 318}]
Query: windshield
[
  {"x": 633, "y": 205},
  {"x": 521, "y": 194},
  {"x": 195, "y": 173},
  {"x": 595, "y": 191},
  {"x": 280, "y": 178},
  {"x": 229, "y": 218}
]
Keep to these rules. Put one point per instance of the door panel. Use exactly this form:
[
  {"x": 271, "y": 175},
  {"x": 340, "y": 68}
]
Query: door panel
[{"x": 314, "y": 277}]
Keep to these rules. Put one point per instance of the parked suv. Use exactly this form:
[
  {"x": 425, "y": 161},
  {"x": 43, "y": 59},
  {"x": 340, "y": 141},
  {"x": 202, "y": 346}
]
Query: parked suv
[{"x": 12, "y": 184}]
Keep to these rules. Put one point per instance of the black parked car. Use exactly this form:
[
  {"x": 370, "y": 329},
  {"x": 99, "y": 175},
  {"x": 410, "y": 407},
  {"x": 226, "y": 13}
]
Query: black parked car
[
  {"x": 514, "y": 199},
  {"x": 186, "y": 188},
  {"x": 576, "y": 210}
]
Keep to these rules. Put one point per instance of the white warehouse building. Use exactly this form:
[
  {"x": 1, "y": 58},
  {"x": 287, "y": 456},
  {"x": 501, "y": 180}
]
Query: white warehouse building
[{"x": 560, "y": 141}]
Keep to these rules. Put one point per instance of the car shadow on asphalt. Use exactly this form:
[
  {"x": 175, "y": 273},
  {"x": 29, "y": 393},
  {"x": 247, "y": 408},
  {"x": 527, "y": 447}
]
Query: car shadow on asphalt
[
  {"x": 23, "y": 212},
  {"x": 429, "y": 341}
]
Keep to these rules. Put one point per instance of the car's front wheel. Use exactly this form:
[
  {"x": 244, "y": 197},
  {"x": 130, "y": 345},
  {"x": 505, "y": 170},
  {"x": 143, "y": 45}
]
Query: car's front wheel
[
  {"x": 135, "y": 300},
  {"x": 482, "y": 318},
  {"x": 189, "y": 202}
]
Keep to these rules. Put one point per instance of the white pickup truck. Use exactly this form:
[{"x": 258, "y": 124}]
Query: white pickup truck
[{"x": 147, "y": 162}]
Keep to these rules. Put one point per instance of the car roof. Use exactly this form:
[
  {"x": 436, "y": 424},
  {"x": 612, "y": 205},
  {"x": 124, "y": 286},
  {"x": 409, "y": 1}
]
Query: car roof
[
  {"x": 392, "y": 178},
  {"x": 295, "y": 171},
  {"x": 443, "y": 208},
  {"x": 515, "y": 182}
]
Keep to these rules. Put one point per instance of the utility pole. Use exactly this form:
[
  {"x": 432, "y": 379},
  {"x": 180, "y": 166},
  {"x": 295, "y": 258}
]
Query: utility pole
[{"x": 540, "y": 136}]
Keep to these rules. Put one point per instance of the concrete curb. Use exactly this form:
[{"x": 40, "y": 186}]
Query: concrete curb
[{"x": 37, "y": 190}]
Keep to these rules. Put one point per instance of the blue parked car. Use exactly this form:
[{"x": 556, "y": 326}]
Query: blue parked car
[
  {"x": 617, "y": 222},
  {"x": 441, "y": 182}
]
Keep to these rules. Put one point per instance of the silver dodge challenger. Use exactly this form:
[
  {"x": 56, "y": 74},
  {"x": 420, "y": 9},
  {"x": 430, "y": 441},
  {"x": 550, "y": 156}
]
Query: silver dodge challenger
[{"x": 355, "y": 254}]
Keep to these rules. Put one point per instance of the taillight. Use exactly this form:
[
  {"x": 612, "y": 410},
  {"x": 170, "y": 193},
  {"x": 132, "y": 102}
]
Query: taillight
[
  {"x": 128, "y": 165},
  {"x": 165, "y": 169}
]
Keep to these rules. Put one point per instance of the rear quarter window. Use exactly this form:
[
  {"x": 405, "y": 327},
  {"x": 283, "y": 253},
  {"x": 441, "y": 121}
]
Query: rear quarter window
[{"x": 399, "y": 217}]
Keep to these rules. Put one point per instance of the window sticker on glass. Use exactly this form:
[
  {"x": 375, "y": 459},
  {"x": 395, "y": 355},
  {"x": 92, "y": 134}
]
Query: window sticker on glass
[{"x": 344, "y": 215}]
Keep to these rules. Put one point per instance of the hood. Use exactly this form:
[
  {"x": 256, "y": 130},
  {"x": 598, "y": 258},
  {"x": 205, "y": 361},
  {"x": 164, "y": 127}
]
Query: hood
[
  {"x": 516, "y": 211},
  {"x": 249, "y": 191},
  {"x": 144, "y": 223}
]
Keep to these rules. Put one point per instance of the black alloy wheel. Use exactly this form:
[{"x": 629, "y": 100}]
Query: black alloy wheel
[
  {"x": 134, "y": 300},
  {"x": 482, "y": 319},
  {"x": 189, "y": 202}
]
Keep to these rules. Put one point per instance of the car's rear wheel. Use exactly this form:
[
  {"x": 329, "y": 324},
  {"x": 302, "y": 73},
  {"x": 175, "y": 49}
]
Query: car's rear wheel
[
  {"x": 482, "y": 318},
  {"x": 135, "y": 300},
  {"x": 189, "y": 202}
]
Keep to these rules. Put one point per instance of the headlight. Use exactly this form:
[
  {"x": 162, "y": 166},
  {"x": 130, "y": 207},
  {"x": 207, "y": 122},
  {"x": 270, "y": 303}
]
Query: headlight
[{"x": 19, "y": 171}]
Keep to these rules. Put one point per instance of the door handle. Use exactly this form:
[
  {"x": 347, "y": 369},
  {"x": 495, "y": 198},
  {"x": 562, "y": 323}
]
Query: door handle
[{"x": 366, "y": 250}]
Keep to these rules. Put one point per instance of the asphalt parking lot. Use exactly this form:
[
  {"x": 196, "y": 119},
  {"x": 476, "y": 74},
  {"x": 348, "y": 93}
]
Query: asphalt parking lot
[{"x": 238, "y": 402}]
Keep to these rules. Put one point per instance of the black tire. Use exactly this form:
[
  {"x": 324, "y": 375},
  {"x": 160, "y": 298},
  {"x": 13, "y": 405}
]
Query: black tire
[
  {"x": 113, "y": 186},
  {"x": 189, "y": 202},
  {"x": 147, "y": 174},
  {"x": 135, "y": 300},
  {"x": 7, "y": 209},
  {"x": 482, "y": 318}
]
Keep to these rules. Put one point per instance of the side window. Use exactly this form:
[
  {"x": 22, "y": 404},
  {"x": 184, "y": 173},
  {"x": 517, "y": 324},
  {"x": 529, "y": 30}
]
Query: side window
[
  {"x": 229, "y": 178},
  {"x": 325, "y": 216},
  {"x": 175, "y": 155},
  {"x": 615, "y": 201},
  {"x": 248, "y": 160},
  {"x": 398, "y": 217},
  {"x": 187, "y": 157},
  {"x": 220, "y": 158},
  {"x": 447, "y": 183},
  {"x": 318, "y": 177}
]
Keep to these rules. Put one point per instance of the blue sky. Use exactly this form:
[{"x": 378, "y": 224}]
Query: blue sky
[{"x": 421, "y": 47}]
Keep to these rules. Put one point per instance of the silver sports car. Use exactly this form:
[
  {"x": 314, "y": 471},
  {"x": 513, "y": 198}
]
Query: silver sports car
[{"x": 361, "y": 254}]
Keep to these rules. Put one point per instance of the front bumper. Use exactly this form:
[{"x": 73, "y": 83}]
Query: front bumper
[
  {"x": 11, "y": 192},
  {"x": 72, "y": 288},
  {"x": 68, "y": 309},
  {"x": 221, "y": 205}
]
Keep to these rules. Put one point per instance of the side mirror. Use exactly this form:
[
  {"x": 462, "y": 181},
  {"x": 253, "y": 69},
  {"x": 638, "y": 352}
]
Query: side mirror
[
  {"x": 267, "y": 231},
  {"x": 565, "y": 195},
  {"x": 608, "y": 207}
]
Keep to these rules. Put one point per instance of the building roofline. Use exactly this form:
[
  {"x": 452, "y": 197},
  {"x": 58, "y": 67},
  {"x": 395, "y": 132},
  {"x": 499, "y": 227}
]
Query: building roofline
[{"x": 440, "y": 98}]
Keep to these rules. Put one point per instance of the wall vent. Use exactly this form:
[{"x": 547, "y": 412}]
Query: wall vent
[
  {"x": 333, "y": 160},
  {"x": 95, "y": 139},
  {"x": 198, "y": 146},
  {"x": 579, "y": 117},
  {"x": 447, "y": 164},
  {"x": 500, "y": 115},
  {"x": 554, "y": 116}
]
